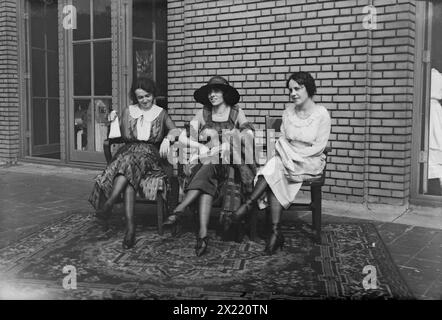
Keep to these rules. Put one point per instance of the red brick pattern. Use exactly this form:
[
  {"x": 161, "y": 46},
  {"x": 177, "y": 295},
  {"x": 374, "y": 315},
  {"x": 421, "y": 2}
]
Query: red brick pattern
[{"x": 364, "y": 78}]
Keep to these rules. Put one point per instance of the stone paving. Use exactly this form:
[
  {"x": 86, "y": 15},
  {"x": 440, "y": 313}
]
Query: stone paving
[{"x": 34, "y": 194}]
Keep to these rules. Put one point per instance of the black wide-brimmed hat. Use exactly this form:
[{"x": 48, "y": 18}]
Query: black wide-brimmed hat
[{"x": 231, "y": 95}]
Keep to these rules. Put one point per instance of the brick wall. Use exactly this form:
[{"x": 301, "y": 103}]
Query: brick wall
[
  {"x": 9, "y": 108},
  {"x": 364, "y": 78}
]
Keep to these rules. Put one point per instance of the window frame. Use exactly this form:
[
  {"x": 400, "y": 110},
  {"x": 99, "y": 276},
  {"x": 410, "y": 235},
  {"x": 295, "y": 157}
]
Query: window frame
[
  {"x": 25, "y": 94},
  {"x": 420, "y": 128}
]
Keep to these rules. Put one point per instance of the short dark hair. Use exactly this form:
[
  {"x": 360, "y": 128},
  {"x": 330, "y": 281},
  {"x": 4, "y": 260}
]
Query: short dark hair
[
  {"x": 228, "y": 98},
  {"x": 146, "y": 84},
  {"x": 305, "y": 79}
]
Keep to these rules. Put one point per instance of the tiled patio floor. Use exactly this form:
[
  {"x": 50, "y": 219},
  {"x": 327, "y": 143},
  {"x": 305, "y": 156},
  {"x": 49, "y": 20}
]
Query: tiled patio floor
[{"x": 33, "y": 194}]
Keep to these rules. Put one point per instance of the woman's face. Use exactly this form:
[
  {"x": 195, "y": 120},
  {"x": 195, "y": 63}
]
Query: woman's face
[
  {"x": 145, "y": 99},
  {"x": 216, "y": 97},
  {"x": 298, "y": 93}
]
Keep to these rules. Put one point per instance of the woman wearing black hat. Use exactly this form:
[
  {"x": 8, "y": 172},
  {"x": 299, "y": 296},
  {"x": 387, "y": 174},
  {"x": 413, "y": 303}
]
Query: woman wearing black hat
[{"x": 220, "y": 113}]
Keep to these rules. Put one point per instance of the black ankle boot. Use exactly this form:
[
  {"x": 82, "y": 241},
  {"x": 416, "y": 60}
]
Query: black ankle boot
[
  {"x": 242, "y": 211},
  {"x": 129, "y": 241},
  {"x": 174, "y": 222},
  {"x": 201, "y": 246},
  {"x": 275, "y": 241}
]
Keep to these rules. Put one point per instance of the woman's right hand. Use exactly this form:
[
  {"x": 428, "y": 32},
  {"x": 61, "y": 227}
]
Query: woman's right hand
[{"x": 203, "y": 150}]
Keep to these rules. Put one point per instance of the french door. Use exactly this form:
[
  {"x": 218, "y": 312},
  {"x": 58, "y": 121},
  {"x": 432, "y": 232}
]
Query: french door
[
  {"x": 114, "y": 42},
  {"x": 40, "y": 90}
]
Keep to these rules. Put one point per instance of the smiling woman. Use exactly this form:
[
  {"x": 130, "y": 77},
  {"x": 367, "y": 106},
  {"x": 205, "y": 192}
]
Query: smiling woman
[
  {"x": 142, "y": 127},
  {"x": 207, "y": 182}
]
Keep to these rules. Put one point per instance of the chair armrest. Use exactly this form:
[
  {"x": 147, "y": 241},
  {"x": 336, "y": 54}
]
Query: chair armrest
[{"x": 107, "y": 148}]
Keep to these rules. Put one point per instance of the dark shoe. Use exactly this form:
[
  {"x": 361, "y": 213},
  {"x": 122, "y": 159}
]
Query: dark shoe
[
  {"x": 129, "y": 241},
  {"x": 242, "y": 211},
  {"x": 233, "y": 222},
  {"x": 201, "y": 246},
  {"x": 275, "y": 242},
  {"x": 174, "y": 222},
  {"x": 231, "y": 219}
]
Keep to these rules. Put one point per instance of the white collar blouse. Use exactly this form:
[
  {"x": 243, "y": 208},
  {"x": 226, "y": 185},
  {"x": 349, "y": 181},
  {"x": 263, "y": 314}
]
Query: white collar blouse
[{"x": 144, "y": 119}]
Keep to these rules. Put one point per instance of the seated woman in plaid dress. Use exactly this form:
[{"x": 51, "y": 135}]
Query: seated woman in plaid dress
[{"x": 135, "y": 167}]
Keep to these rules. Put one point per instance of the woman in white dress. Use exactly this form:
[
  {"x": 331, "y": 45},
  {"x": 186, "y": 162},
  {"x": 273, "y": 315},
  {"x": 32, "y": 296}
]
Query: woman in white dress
[{"x": 299, "y": 154}]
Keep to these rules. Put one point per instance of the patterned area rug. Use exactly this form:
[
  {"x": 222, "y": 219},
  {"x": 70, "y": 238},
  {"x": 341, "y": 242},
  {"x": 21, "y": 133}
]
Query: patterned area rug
[{"x": 161, "y": 267}]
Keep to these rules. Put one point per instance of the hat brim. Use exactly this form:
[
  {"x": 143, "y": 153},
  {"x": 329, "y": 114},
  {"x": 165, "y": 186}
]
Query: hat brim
[{"x": 231, "y": 95}]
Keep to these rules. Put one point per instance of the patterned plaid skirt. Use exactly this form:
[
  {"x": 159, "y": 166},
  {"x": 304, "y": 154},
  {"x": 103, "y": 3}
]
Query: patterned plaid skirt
[{"x": 138, "y": 162}]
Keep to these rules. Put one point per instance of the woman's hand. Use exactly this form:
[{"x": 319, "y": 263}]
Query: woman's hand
[
  {"x": 203, "y": 150},
  {"x": 208, "y": 132},
  {"x": 164, "y": 148},
  {"x": 225, "y": 152}
]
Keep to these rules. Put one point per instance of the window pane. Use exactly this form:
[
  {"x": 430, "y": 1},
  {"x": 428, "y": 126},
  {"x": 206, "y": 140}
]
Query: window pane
[
  {"x": 161, "y": 19},
  {"x": 39, "y": 121},
  {"x": 51, "y": 20},
  {"x": 82, "y": 70},
  {"x": 102, "y": 19},
  {"x": 102, "y": 107},
  {"x": 142, "y": 59},
  {"x": 142, "y": 19},
  {"x": 54, "y": 120},
  {"x": 83, "y": 30},
  {"x": 83, "y": 129},
  {"x": 53, "y": 74},
  {"x": 37, "y": 24},
  {"x": 38, "y": 73},
  {"x": 161, "y": 69},
  {"x": 102, "y": 69}
]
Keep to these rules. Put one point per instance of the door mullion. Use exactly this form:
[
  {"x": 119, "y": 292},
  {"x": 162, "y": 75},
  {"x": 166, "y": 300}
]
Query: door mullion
[{"x": 29, "y": 129}]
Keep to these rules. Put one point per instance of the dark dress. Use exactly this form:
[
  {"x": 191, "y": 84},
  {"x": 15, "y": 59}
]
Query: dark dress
[
  {"x": 138, "y": 161},
  {"x": 229, "y": 184}
]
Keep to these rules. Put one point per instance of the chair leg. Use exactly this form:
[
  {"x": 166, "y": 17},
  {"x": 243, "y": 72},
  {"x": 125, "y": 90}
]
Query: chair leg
[
  {"x": 312, "y": 207},
  {"x": 316, "y": 193},
  {"x": 253, "y": 225},
  {"x": 160, "y": 213}
]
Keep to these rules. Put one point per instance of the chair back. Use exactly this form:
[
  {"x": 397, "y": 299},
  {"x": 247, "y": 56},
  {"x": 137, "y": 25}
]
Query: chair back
[{"x": 274, "y": 123}]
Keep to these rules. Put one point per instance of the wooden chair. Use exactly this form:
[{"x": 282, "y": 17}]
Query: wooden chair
[
  {"x": 315, "y": 183},
  {"x": 162, "y": 205}
]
